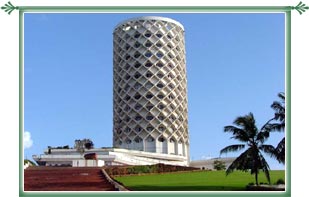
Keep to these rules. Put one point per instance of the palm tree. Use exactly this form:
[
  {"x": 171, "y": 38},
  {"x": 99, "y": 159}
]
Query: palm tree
[
  {"x": 251, "y": 159},
  {"x": 279, "y": 108}
]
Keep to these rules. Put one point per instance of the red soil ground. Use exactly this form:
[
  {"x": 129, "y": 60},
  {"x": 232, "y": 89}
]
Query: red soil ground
[{"x": 65, "y": 179}]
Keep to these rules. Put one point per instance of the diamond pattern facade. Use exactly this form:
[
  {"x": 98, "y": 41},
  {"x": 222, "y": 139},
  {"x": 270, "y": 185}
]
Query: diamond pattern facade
[{"x": 150, "y": 86}]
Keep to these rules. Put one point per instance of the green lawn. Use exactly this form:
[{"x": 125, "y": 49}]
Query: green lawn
[{"x": 195, "y": 181}]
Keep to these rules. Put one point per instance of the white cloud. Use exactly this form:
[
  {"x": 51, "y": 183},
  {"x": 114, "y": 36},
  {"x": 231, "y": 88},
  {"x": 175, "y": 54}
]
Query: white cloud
[{"x": 27, "y": 140}]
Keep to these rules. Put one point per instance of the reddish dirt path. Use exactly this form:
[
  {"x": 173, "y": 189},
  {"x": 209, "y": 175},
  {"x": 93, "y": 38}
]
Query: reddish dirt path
[{"x": 65, "y": 179}]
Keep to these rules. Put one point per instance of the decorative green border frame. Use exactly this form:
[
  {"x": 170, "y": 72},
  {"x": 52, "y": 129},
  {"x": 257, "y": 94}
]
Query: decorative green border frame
[{"x": 300, "y": 8}]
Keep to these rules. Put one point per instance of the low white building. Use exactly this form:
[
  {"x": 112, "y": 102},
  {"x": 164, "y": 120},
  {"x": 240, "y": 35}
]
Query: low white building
[
  {"x": 208, "y": 164},
  {"x": 104, "y": 157}
]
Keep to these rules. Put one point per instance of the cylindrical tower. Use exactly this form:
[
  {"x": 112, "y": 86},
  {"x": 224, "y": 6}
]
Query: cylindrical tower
[{"x": 150, "y": 86}]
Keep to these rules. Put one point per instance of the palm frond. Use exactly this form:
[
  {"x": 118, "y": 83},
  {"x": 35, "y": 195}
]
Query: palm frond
[
  {"x": 242, "y": 162},
  {"x": 238, "y": 133},
  {"x": 280, "y": 151},
  {"x": 247, "y": 123},
  {"x": 281, "y": 95},
  {"x": 277, "y": 126},
  {"x": 232, "y": 148},
  {"x": 268, "y": 149},
  {"x": 262, "y": 136},
  {"x": 277, "y": 106}
]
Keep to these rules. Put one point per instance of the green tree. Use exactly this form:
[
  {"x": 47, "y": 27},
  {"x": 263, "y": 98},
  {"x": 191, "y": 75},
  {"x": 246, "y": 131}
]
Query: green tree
[
  {"x": 252, "y": 158},
  {"x": 279, "y": 125},
  {"x": 219, "y": 165},
  {"x": 29, "y": 162}
]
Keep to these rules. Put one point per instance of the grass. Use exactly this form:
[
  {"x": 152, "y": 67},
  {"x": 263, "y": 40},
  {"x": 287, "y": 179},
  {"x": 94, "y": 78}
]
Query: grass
[{"x": 195, "y": 181}]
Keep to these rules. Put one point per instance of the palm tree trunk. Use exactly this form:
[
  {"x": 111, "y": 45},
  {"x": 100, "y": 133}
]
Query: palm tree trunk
[{"x": 256, "y": 179}]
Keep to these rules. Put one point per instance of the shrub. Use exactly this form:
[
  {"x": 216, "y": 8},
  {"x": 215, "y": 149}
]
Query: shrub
[
  {"x": 219, "y": 165},
  {"x": 280, "y": 181}
]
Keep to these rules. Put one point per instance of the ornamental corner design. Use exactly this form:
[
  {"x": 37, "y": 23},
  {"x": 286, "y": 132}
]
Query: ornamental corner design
[
  {"x": 9, "y": 7},
  {"x": 300, "y": 8}
]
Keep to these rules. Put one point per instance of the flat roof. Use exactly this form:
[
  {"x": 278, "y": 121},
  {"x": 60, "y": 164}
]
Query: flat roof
[{"x": 150, "y": 18}]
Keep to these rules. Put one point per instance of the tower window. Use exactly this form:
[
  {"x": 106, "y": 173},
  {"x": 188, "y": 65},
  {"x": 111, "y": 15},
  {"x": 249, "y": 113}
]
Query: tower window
[
  {"x": 160, "y": 96},
  {"x": 149, "y": 75},
  {"x": 161, "y": 128},
  {"x": 127, "y": 47},
  {"x": 137, "y": 96},
  {"x": 159, "y": 55},
  {"x": 127, "y": 98},
  {"x": 161, "y": 117},
  {"x": 137, "y": 35},
  {"x": 170, "y": 76},
  {"x": 128, "y": 141},
  {"x": 127, "y": 67},
  {"x": 149, "y": 85},
  {"x": 137, "y": 65},
  {"x": 160, "y": 85},
  {"x": 171, "y": 96},
  {"x": 149, "y": 96},
  {"x": 159, "y": 35},
  {"x": 126, "y": 88},
  {"x": 138, "y": 140},
  {"x": 149, "y": 128},
  {"x": 171, "y": 86},
  {"x": 137, "y": 44},
  {"x": 138, "y": 107},
  {"x": 160, "y": 75},
  {"x": 148, "y": 54},
  {"x": 160, "y": 65},
  {"x": 161, "y": 139},
  {"x": 149, "y": 117},
  {"x": 150, "y": 139},
  {"x": 149, "y": 107},
  {"x": 148, "y": 44},
  {"x": 127, "y": 108},
  {"x": 137, "y": 75},
  {"x": 136, "y": 55},
  {"x": 127, "y": 119},
  {"x": 161, "y": 106},
  {"x": 159, "y": 44},
  {"x": 148, "y": 64},
  {"x": 137, "y": 118},
  {"x": 137, "y": 86},
  {"x": 138, "y": 129},
  {"x": 147, "y": 34}
]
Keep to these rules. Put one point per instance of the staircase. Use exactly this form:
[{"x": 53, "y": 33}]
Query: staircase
[{"x": 39, "y": 178}]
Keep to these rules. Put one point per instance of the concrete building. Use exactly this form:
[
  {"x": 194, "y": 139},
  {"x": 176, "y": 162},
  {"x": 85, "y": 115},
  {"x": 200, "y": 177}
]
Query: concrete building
[
  {"x": 150, "y": 86},
  {"x": 150, "y": 121}
]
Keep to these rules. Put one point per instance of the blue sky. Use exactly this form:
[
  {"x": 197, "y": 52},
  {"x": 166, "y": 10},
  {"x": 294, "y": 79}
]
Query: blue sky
[{"x": 235, "y": 65}]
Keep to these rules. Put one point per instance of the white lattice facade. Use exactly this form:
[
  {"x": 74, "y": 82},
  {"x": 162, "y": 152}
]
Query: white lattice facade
[{"x": 150, "y": 86}]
